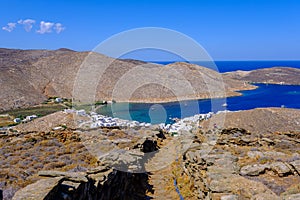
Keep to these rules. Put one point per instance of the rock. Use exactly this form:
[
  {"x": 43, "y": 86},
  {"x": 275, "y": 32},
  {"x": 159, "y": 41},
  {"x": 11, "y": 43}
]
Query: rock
[
  {"x": 229, "y": 197},
  {"x": 220, "y": 187},
  {"x": 296, "y": 165},
  {"x": 38, "y": 190},
  {"x": 280, "y": 168},
  {"x": 224, "y": 163},
  {"x": 253, "y": 154},
  {"x": 235, "y": 131},
  {"x": 98, "y": 169},
  {"x": 274, "y": 154},
  {"x": 253, "y": 170},
  {"x": 98, "y": 177},
  {"x": 264, "y": 196},
  {"x": 235, "y": 184},
  {"x": 246, "y": 140},
  {"x": 51, "y": 173},
  {"x": 268, "y": 140},
  {"x": 268, "y": 155},
  {"x": 116, "y": 185},
  {"x": 292, "y": 197},
  {"x": 193, "y": 156},
  {"x": 72, "y": 176},
  {"x": 71, "y": 185}
]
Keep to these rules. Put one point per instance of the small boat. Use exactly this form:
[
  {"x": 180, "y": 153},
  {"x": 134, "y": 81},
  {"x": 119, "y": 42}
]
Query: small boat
[{"x": 224, "y": 104}]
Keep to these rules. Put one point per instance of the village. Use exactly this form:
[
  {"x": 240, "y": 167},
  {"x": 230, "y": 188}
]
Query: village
[
  {"x": 100, "y": 121},
  {"x": 93, "y": 120}
]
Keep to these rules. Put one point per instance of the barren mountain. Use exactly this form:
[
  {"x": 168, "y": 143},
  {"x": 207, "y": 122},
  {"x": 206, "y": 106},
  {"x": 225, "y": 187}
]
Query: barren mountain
[
  {"x": 259, "y": 120},
  {"x": 274, "y": 75},
  {"x": 29, "y": 77}
]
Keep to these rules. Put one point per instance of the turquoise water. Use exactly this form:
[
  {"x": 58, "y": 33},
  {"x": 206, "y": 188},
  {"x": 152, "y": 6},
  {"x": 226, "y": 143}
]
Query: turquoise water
[{"x": 265, "y": 96}]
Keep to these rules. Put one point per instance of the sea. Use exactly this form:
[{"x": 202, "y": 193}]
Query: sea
[{"x": 266, "y": 95}]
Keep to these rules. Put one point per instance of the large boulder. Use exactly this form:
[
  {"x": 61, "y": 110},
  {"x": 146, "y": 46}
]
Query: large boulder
[{"x": 39, "y": 190}]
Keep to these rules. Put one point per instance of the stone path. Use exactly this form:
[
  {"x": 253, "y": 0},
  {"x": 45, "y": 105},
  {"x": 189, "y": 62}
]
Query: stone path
[{"x": 161, "y": 171}]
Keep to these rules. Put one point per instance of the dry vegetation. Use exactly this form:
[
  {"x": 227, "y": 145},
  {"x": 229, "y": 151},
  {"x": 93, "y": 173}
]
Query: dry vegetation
[
  {"x": 22, "y": 156},
  {"x": 6, "y": 120},
  {"x": 40, "y": 110}
]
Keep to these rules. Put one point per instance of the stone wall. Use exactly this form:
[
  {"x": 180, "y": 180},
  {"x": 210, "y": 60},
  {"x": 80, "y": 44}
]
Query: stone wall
[{"x": 101, "y": 183}]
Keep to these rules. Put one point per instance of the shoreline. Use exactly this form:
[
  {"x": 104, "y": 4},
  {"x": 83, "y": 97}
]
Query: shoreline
[
  {"x": 234, "y": 93},
  {"x": 229, "y": 94},
  {"x": 275, "y": 83}
]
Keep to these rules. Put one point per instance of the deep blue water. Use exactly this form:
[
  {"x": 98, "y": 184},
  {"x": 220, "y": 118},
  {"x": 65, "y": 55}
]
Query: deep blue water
[
  {"x": 265, "y": 96},
  {"x": 226, "y": 66}
]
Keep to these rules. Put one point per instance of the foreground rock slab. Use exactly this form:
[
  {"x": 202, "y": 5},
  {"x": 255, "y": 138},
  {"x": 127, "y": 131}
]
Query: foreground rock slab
[{"x": 38, "y": 190}]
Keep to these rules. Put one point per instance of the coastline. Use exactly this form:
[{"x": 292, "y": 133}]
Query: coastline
[
  {"x": 274, "y": 83},
  {"x": 234, "y": 93}
]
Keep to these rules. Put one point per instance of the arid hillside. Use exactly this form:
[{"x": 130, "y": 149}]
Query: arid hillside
[
  {"x": 274, "y": 75},
  {"x": 259, "y": 120},
  {"x": 29, "y": 77},
  {"x": 256, "y": 149}
]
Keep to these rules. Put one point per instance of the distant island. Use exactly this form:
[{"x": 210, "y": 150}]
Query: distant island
[{"x": 274, "y": 75}]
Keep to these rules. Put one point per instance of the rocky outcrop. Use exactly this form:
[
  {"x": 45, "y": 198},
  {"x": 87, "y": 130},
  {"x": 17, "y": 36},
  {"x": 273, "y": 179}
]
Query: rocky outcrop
[
  {"x": 237, "y": 164},
  {"x": 96, "y": 184},
  {"x": 258, "y": 121},
  {"x": 42, "y": 189},
  {"x": 280, "y": 168},
  {"x": 221, "y": 163},
  {"x": 296, "y": 165},
  {"x": 100, "y": 183}
]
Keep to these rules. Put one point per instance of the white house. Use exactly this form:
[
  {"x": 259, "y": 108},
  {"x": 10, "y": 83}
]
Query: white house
[
  {"x": 58, "y": 100},
  {"x": 80, "y": 112},
  {"x": 30, "y": 117},
  {"x": 17, "y": 120}
]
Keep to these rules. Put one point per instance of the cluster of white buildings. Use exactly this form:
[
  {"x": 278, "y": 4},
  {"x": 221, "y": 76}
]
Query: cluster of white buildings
[
  {"x": 105, "y": 121},
  {"x": 27, "y": 119},
  {"x": 98, "y": 121},
  {"x": 185, "y": 124}
]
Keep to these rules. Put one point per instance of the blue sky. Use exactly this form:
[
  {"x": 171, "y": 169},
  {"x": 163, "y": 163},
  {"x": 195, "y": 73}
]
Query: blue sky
[{"x": 227, "y": 29}]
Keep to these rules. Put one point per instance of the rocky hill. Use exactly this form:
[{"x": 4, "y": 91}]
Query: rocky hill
[
  {"x": 234, "y": 161},
  {"x": 271, "y": 120},
  {"x": 274, "y": 75},
  {"x": 29, "y": 77}
]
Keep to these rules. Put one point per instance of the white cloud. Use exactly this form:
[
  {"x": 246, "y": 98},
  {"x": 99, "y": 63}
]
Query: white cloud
[
  {"x": 10, "y": 27},
  {"x": 27, "y": 23},
  {"x": 45, "y": 27},
  {"x": 59, "y": 27}
]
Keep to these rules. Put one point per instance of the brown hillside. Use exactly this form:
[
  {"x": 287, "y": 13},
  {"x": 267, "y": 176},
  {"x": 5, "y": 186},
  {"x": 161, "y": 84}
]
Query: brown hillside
[
  {"x": 259, "y": 120},
  {"x": 274, "y": 75},
  {"x": 28, "y": 77}
]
